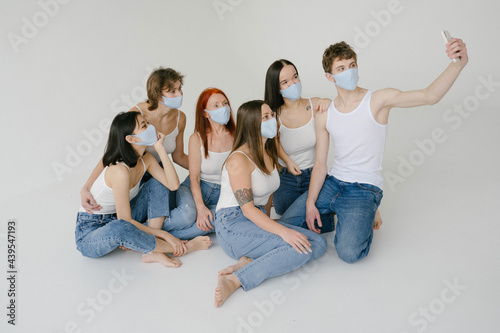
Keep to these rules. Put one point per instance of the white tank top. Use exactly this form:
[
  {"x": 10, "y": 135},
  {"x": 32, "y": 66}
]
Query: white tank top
[
  {"x": 262, "y": 187},
  {"x": 300, "y": 143},
  {"x": 359, "y": 143},
  {"x": 103, "y": 194},
  {"x": 168, "y": 143},
  {"x": 211, "y": 167}
]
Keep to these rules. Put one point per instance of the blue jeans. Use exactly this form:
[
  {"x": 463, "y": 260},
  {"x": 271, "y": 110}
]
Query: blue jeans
[
  {"x": 355, "y": 205},
  {"x": 291, "y": 188},
  {"x": 99, "y": 234},
  {"x": 181, "y": 220},
  {"x": 210, "y": 193},
  {"x": 271, "y": 255}
]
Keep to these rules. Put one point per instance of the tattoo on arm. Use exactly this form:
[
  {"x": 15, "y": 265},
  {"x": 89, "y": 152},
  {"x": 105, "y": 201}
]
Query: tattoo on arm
[
  {"x": 308, "y": 108},
  {"x": 244, "y": 196}
]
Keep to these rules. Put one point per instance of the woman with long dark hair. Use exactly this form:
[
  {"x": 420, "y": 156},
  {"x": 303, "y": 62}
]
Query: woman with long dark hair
[
  {"x": 126, "y": 205},
  {"x": 263, "y": 247},
  {"x": 161, "y": 109},
  {"x": 297, "y": 137},
  {"x": 297, "y": 149}
]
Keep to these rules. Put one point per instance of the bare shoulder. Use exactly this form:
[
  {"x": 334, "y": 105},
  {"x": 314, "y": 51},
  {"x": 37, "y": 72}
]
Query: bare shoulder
[
  {"x": 118, "y": 168},
  {"x": 117, "y": 173},
  {"x": 194, "y": 140},
  {"x": 143, "y": 106},
  {"x": 314, "y": 99},
  {"x": 381, "y": 99},
  {"x": 383, "y": 94},
  {"x": 238, "y": 164},
  {"x": 182, "y": 118},
  {"x": 312, "y": 103}
]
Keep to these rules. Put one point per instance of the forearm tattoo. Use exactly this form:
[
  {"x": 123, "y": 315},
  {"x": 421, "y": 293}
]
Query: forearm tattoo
[{"x": 244, "y": 196}]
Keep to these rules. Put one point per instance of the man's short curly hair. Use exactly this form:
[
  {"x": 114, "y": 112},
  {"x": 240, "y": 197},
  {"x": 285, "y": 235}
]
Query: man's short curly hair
[{"x": 337, "y": 51}]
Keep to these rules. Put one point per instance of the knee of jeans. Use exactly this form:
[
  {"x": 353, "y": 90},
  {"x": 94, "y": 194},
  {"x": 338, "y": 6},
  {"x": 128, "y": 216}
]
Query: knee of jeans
[
  {"x": 319, "y": 246},
  {"x": 278, "y": 208},
  {"x": 122, "y": 229},
  {"x": 281, "y": 205},
  {"x": 88, "y": 254},
  {"x": 188, "y": 212},
  {"x": 349, "y": 254},
  {"x": 88, "y": 250}
]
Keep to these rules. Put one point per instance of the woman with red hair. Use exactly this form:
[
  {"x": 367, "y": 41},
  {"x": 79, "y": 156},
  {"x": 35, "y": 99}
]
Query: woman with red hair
[{"x": 209, "y": 146}]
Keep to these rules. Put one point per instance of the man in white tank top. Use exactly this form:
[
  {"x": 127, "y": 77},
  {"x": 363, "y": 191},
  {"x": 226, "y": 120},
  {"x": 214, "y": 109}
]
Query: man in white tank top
[{"x": 357, "y": 123}]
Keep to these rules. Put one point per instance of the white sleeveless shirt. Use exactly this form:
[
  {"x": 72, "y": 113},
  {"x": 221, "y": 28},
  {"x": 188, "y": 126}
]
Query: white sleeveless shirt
[
  {"x": 103, "y": 194},
  {"x": 168, "y": 143},
  {"x": 211, "y": 167},
  {"x": 300, "y": 143},
  {"x": 359, "y": 144},
  {"x": 262, "y": 187}
]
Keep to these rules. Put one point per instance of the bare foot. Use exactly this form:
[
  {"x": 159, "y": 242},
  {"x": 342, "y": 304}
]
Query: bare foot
[
  {"x": 378, "y": 221},
  {"x": 226, "y": 285},
  {"x": 199, "y": 243},
  {"x": 124, "y": 248},
  {"x": 162, "y": 259},
  {"x": 233, "y": 268}
]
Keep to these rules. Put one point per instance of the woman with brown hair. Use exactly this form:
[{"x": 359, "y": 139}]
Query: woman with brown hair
[
  {"x": 265, "y": 248},
  {"x": 161, "y": 109}
]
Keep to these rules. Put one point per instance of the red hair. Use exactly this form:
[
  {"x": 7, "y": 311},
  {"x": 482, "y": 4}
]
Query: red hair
[{"x": 202, "y": 124}]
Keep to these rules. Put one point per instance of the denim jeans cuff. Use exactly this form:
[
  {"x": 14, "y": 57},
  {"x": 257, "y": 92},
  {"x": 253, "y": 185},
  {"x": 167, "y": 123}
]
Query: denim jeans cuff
[{"x": 242, "y": 281}]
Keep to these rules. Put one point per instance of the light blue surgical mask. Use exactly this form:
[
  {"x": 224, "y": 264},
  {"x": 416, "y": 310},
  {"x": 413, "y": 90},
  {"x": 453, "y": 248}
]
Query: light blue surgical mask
[
  {"x": 221, "y": 115},
  {"x": 269, "y": 128},
  {"x": 293, "y": 92},
  {"x": 148, "y": 136},
  {"x": 172, "y": 102},
  {"x": 348, "y": 79}
]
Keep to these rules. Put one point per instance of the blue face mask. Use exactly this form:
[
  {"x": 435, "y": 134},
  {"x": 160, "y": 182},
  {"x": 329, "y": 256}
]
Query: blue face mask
[
  {"x": 148, "y": 136},
  {"x": 221, "y": 115},
  {"x": 293, "y": 92},
  {"x": 348, "y": 79},
  {"x": 269, "y": 128},
  {"x": 172, "y": 102}
]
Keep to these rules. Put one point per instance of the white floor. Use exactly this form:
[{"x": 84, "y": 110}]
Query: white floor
[
  {"x": 414, "y": 257},
  {"x": 434, "y": 266}
]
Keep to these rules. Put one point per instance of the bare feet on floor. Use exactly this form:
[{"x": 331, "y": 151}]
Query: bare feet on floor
[
  {"x": 162, "y": 259},
  {"x": 226, "y": 285},
  {"x": 199, "y": 243},
  {"x": 233, "y": 268}
]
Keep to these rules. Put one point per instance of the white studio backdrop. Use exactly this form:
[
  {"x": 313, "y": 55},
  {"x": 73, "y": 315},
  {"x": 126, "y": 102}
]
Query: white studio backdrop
[{"x": 67, "y": 67}]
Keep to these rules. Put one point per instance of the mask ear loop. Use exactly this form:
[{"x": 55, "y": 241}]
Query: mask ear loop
[
  {"x": 128, "y": 138},
  {"x": 331, "y": 75}
]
